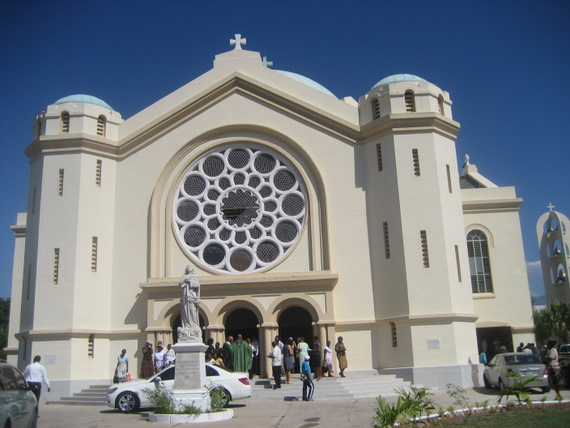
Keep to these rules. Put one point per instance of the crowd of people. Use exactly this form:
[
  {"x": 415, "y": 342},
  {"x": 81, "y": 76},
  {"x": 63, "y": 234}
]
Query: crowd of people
[{"x": 242, "y": 355}]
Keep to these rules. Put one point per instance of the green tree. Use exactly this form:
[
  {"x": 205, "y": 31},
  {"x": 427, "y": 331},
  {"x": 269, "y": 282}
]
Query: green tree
[
  {"x": 553, "y": 321},
  {"x": 4, "y": 321}
]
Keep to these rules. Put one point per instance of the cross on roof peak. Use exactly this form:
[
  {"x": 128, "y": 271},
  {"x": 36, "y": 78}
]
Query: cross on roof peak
[
  {"x": 266, "y": 63},
  {"x": 238, "y": 41}
]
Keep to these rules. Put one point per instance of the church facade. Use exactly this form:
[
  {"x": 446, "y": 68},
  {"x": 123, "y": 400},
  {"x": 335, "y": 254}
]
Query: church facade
[{"x": 302, "y": 214}]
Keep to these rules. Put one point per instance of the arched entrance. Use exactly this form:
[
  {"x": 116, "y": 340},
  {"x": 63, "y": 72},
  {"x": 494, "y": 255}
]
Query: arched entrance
[
  {"x": 178, "y": 323},
  {"x": 296, "y": 322},
  {"x": 242, "y": 321}
]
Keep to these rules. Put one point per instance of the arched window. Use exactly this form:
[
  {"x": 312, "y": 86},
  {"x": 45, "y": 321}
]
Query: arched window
[
  {"x": 101, "y": 125},
  {"x": 65, "y": 122},
  {"x": 375, "y": 104},
  {"x": 410, "y": 101},
  {"x": 478, "y": 251},
  {"x": 440, "y": 105}
]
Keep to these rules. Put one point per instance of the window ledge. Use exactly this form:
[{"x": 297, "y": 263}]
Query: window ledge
[{"x": 483, "y": 295}]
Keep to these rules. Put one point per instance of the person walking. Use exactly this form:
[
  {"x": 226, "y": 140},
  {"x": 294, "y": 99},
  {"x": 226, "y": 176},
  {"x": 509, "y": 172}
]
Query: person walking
[
  {"x": 308, "y": 385},
  {"x": 341, "y": 356},
  {"x": 122, "y": 368},
  {"x": 316, "y": 359},
  {"x": 35, "y": 374},
  {"x": 553, "y": 366},
  {"x": 329, "y": 359},
  {"x": 276, "y": 358}
]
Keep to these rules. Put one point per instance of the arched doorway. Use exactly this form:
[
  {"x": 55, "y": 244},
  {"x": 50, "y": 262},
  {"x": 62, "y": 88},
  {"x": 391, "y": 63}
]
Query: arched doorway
[
  {"x": 242, "y": 321},
  {"x": 178, "y": 323},
  {"x": 296, "y": 322}
]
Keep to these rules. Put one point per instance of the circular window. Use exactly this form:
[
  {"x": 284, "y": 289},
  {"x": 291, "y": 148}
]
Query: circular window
[{"x": 239, "y": 209}]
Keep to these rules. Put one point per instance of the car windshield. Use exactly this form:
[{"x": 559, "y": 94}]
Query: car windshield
[{"x": 514, "y": 360}]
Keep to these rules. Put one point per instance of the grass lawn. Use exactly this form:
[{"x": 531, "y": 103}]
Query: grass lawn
[{"x": 550, "y": 415}]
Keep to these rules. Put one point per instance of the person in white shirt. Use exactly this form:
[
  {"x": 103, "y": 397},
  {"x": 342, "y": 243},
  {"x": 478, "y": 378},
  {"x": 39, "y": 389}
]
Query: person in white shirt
[
  {"x": 170, "y": 356},
  {"x": 276, "y": 358},
  {"x": 159, "y": 357},
  {"x": 35, "y": 374}
]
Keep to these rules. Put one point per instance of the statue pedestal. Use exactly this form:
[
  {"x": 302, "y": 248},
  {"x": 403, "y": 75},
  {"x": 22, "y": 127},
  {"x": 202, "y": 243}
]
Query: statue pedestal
[{"x": 190, "y": 376}]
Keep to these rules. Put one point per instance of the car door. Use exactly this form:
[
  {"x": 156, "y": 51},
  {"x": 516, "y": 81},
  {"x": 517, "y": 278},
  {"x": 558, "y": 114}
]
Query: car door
[
  {"x": 494, "y": 368},
  {"x": 22, "y": 401}
]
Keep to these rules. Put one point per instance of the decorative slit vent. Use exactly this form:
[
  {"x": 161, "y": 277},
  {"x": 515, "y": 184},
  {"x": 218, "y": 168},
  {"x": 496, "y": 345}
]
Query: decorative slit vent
[
  {"x": 416, "y": 161},
  {"x": 425, "y": 254},
  {"x": 94, "y": 243},
  {"x": 98, "y": 172},
  {"x": 379, "y": 157},
  {"x": 457, "y": 263},
  {"x": 55, "y": 266},
  {"x": 91, "y": 346},
  {"x": 60, "y": 183},
  {"x": 394, "y": 335},
  {"x": 449, "y": 178},
  {"x": 386, "y": 240}
]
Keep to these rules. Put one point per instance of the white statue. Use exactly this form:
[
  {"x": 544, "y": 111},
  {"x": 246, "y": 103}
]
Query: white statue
[{"x": 190, "y": 330}]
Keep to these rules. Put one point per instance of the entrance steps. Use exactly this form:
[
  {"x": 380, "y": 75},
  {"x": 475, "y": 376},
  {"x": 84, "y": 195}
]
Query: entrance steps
[
  {"x": 95, "y": 395},
  {"x": 354, "y": 385}
]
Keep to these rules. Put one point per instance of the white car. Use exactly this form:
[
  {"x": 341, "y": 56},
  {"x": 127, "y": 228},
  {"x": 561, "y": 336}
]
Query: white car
[
  {"x": 130, "y": 396},
  {"x": 526, "y": 365}
]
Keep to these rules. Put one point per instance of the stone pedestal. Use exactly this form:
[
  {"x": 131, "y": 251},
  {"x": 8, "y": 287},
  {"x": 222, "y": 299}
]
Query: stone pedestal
[{"x": 190, "y": 376}]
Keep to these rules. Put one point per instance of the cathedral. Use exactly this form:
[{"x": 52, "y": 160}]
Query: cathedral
[{"x": 303, "y": 214}]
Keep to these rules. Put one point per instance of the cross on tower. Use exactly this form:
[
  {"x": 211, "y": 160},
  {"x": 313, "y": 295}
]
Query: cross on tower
[
  {"x": 550, "y": 206},
  {"x": 238, "y": 41}
]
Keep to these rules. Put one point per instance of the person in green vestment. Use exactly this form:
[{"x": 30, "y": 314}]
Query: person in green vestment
[{"x": 241, "y": 355}]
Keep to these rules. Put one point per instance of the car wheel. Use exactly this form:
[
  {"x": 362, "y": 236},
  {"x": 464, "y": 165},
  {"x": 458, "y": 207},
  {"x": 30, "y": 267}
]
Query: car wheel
[
  {"x": 226, "y": 397},
  {"x": 128, "y": 402},
  {"x": 486, "y": 382},
  {"x": 545, "y": 389},
  {"x": 501, "y": 384}
]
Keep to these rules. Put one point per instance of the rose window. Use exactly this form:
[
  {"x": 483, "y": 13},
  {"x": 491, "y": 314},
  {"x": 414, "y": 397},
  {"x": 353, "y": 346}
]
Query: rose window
[{"x": 239, "y": 209}]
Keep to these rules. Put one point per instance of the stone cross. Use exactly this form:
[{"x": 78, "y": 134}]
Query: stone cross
[
  {"x": 238, "y": 41},
  {"x": 266, "y": 63},
  {"x": 550, "y": 206}
]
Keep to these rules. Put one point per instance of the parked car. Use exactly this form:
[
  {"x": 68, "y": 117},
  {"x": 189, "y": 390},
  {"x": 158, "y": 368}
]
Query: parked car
[
  {"x": 18, "y": 404},
  {"x": 526, "y": 365},
  {"x": 130, "y": 396}
]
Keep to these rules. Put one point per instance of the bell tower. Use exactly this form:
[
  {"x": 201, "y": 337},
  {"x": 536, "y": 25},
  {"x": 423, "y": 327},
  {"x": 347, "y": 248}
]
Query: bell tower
[{"x": 420, "y": 268}]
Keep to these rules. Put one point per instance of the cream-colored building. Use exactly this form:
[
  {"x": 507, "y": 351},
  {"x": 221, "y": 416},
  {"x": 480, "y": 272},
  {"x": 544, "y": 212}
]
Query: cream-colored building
[
  {"x": 303, "y": 214},
  {"x": 551, "y": 232}
]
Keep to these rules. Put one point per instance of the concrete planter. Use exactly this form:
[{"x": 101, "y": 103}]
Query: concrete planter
[{"x": 191, "y": 419}]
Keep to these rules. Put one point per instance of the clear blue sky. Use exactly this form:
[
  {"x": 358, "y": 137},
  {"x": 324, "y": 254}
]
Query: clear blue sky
[{"x": 505, "y": 64}]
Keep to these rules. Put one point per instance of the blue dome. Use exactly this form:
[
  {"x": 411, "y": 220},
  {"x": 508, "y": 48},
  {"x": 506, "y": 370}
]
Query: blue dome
[
  {"x": 306, "y": 81},
  {"x": 399, "y": 78},
  {"x": 81, "y": 98}
]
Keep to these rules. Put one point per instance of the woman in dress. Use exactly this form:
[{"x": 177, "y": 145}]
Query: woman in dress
[
  {"x": 147, "y": 367},
  {"x": 341, "y": 355},
  {"x": 288, "y": 360},
  {"x": 122, "y": 367},
  {"x": 328, "y": 359},
  {"x": 302, "y": 350}
]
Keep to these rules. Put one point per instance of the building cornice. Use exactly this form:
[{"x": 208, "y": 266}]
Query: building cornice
[
  {"x": 253, "y": 284},
  {"x": 479, "y": 206},
  {"x": 400, "y": 123}
]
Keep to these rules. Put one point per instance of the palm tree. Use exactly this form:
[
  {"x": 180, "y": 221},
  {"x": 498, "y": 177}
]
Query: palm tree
[{"x": 553, "y": 321}]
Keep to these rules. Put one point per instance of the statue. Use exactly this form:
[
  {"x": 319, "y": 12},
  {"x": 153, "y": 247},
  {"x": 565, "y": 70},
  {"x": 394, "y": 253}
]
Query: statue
[{"x": 190, "y": 330}]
